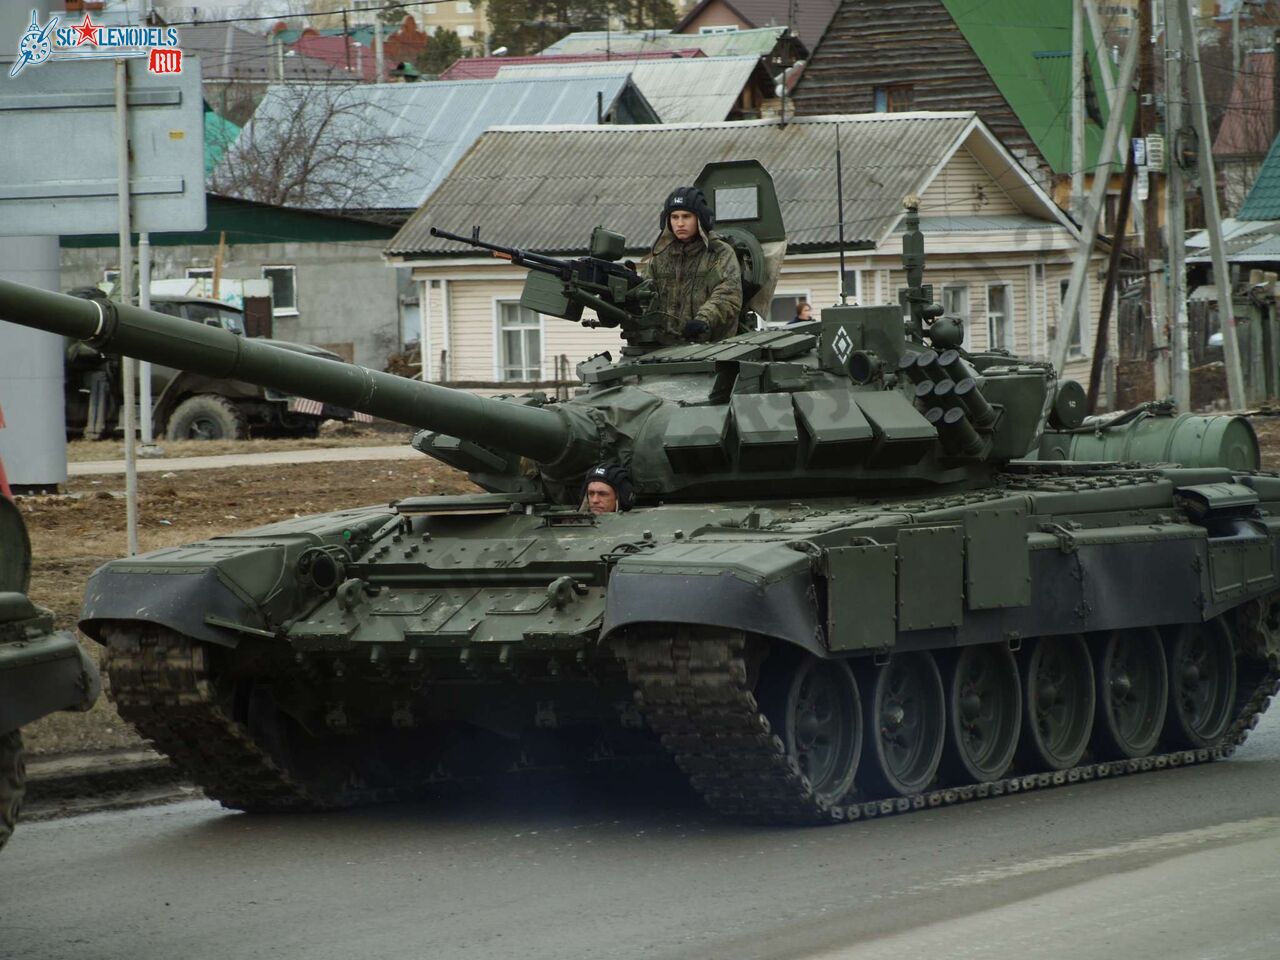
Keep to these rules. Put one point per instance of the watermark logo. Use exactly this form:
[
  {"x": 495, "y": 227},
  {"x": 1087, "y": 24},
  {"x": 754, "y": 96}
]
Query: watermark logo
[{"x": 89, "y": 41}]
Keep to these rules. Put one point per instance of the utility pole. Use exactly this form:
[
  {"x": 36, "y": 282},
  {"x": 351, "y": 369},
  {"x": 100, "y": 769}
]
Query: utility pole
[
  {"x": 1176, "y": 209},
  {"x": 1073, "y": 304},
  {"x": 1077, "y": 111},
  {"x": 379, "y": 55},
  {"x": 1212, "y": 215},
  {"x": 129, "y": 366},
  {"x": 1153, "y": 239},
  {"x": 1235, "y": 38},
  {"x": 1123, "y": 149}
]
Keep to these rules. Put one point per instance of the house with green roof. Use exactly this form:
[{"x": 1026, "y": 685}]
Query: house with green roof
[{"x": 1007, "y": 60}]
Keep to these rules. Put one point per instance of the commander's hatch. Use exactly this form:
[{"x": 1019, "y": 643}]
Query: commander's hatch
[{"x": 749, "y": 217}]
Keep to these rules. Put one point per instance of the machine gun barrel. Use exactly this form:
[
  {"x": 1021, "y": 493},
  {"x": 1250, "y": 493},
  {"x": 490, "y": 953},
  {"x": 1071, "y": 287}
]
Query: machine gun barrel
[
  {"x": 541, "y": 434},
  {"x": 525, "y": 258}
]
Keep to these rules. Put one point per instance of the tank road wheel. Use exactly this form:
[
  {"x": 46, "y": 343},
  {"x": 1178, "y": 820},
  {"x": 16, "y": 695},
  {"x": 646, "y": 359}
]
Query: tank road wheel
[
  {"x": 1133, "y": 693},
  {"x": 905, "y": 722},
  {"x": 206, "y": 416},
  {"x": 13, "y": 783},
  {"x": 1202, "y": 684},
  {"x": 984, "y": 713},
  {"x": 1057, "y": 702},
  {"x": 813, "y": 705}
]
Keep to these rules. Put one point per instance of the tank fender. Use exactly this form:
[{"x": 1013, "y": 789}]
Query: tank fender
[
  {"x": 765, "y": 588},
  {"x": 193, "y": 590},
  {"x": 43, "y": 674}
]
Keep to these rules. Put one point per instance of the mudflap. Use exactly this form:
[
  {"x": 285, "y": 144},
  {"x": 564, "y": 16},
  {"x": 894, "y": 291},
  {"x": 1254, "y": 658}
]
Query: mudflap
[{"x": 762, "y": 588}]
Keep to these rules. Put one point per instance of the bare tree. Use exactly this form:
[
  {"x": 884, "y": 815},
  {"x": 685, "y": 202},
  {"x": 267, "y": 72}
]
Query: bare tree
[{"x": 320, "y": 147}]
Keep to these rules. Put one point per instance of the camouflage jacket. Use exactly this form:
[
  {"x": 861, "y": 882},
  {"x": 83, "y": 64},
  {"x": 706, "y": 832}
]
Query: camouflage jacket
[{"x": 695, "y": 280}]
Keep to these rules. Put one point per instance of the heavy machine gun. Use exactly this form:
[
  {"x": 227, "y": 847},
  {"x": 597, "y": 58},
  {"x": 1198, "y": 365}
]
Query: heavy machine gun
[{"x": 617, "y": 294}]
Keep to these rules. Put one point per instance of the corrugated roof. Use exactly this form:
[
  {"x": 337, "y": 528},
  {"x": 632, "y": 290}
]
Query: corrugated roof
[
  {"x": 484, "y": 68},
  {"x": 732, "y": 44},
  {"x": 1248, "y": 123},
  {"x": 701, "y": 90},
  {"x": 545, "y": 189},
  {"x": 1263, "y": 199},
  {"x": 431, "y": 125},
  {"x": 810, "y": 18},
  {"x": 228, "y": 53}
]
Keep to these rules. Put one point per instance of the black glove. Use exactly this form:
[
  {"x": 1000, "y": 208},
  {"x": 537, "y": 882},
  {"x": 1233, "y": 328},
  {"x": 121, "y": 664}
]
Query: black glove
[{"x": 696, "y": 329}]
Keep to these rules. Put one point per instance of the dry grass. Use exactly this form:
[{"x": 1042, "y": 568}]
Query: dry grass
[{"x": 332, "y": 434}]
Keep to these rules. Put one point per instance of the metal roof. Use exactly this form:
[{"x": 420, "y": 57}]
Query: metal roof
[
  {"x": 545, "y": 189},
  {"x": 1263, "y": 199},
  {"x": 228, "y": 53},
  {"x": 483, "y": 68},
  {"x": 687, "y": 90},
  {"x": 810, "y": 18},
  {"x": 429, "y": 126},
  {"x": 731, "y": 44},
  {"x": 1245, "y": 241}
]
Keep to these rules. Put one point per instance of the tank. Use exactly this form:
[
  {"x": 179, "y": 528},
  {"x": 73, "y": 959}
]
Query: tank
[
  {"x": 848, "y": 585},
  {"x": 42, "y": 670}
]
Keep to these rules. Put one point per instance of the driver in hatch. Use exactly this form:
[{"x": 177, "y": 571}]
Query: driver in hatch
[{"x": 608, "y": 489}]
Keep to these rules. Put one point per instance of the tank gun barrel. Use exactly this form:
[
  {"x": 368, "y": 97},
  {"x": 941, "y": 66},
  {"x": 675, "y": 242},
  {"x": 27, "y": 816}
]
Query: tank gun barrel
[{"x": 540, "y": 434}]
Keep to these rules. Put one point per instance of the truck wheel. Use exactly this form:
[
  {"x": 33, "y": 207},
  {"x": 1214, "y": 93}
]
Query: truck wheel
[
  {"x": 207, "y": 416},
  {"x": 13, "y": 783}
]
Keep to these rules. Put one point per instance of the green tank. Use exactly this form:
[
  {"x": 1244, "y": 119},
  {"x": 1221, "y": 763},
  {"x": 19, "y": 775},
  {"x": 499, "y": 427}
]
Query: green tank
[
  {"x": 42, "y": 670},
  {"x": 846, "y": 588}
]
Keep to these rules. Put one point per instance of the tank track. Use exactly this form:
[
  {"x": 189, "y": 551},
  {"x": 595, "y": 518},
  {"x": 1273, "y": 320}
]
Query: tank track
[
  {"x": 13, "y": 783},
  {"x": 161, "y": 684},
  {"x": 694, "y": 693}
]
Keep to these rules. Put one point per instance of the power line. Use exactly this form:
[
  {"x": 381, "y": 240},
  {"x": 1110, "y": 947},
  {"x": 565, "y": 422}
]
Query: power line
[{"x": 304, "y": 15}]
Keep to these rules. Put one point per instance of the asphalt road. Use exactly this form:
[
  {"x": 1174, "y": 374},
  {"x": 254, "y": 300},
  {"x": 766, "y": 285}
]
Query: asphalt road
[{"x": 1178, "y": 864}]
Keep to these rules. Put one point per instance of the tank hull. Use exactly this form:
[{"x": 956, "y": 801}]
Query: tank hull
[{"x": 457, "y": 637}]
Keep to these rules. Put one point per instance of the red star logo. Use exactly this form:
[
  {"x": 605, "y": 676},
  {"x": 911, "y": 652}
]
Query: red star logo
[{"x": 88, "y": 31}]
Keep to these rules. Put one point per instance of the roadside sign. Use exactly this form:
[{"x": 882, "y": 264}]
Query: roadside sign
[{"x": 58, "y": 175}]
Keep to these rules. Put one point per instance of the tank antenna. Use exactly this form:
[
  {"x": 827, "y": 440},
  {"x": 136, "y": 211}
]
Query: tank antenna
[{"x": 844, "y": 297}]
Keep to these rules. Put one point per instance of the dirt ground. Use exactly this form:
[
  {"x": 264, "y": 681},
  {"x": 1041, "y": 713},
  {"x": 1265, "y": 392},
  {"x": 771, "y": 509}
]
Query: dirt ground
[
  {"x": 73, "y": 533},
  {"x": 332, "y": 434}
]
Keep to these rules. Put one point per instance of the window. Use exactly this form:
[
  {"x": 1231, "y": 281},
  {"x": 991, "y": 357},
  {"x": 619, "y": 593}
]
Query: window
[
  {"x": 111, "y": 276},
  {"x": 851, "y": 285},
  {"x": 519, "y": 343},
  {"x": 215, "y": 316},
  {"x": 199, "y": 273},
  {"x": 955, "y": 301},
  {"x": 719, "y": 28},
  {"x": 1076, "y": 345},
  {"x": 284, "y": 290},
  {"x": 897, "y": 98},
  {"x": 464, "y": 6},
  {"x": 465, "y": 31},
  {"x": 999, "y": 317},
  {"x": 782, "y": 309}
]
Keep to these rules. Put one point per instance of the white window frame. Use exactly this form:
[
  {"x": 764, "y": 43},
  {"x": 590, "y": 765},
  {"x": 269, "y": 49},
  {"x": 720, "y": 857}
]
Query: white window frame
[
  {"x": 465, "y": 31},
  {"x": 805, "y": 295},
  {"x": 1077, "y": 325},
  {"x": 1009, "y": 319},
  {"x": 464, "y": 7},
  {"x": 111, "y": 275},
  {"x": 291, "y": 311},
  {"x": 968, "y": 299},
  {"x": 853, "y": 294},
  {"x": 498, "y": 371},
  {"x": 199, "y": 273},
  {"x": 718, "y": 28}
]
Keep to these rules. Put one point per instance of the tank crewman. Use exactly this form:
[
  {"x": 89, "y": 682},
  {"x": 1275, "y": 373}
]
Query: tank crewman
[
  {"x": 696, "y": 274},
  {"x": 608, "y": 489}
]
